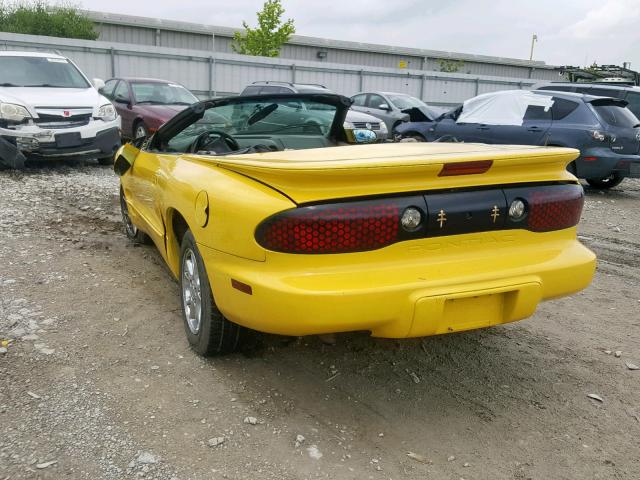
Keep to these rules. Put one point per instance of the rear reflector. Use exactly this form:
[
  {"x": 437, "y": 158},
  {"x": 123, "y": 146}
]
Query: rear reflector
[
  {"x": 555, "y": 208},
  {"x": 243, "y": 287},
  {"x": 465, "y": 168},
  {"x": 590, "y": 159}
]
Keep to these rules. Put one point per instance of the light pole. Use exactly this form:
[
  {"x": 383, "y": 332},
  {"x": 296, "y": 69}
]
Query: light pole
[{"x": 534, "y": 39}]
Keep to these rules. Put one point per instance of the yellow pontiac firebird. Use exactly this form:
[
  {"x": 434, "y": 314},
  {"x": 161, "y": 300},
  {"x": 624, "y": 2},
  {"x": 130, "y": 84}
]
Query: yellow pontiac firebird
[{"x": 270, "y": 220}]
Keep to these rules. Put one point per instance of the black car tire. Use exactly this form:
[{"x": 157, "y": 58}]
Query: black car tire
[
  {"x": 131, "y": 231},
  {"x": 215, "y": 334},
  {"x": 605, "y": 183},
  {"x": 105, "y": 160},
  {"x": 416, "y": 136}
]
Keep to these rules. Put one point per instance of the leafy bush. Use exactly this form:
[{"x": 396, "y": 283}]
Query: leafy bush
[{"x": 41, "y": 18}]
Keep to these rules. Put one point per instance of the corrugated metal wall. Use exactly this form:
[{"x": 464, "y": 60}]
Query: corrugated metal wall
[
  {"x": 225, "y": 74},
  {"x": 149, "y": 31},
  {"x": 126, "y": 34}
]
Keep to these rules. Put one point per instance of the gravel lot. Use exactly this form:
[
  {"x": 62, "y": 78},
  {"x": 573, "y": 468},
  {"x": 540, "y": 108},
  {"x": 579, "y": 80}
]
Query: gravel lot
[{"x": 97, "y": 381}]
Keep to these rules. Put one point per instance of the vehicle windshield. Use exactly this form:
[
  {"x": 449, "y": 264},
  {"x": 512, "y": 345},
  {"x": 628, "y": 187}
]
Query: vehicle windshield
[
  {"x": 405, "y": 101},
  {"x": 40, "y": 72},
  {"x": 617, "y": 116},
  {"x": 273, "y": 116},
  {"x": 162, "y": 93}
]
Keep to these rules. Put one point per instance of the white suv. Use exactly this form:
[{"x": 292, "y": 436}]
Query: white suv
[{"x": 49, "y": 110}]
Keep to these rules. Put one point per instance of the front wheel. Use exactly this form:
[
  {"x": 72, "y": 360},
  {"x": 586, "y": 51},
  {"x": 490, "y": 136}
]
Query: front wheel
[
  {"x": 605, "y": 183},
  {"x": 105, "y": 160},
  {"x": 208, "y": 331},
  {"x": 132, "y": 232}
]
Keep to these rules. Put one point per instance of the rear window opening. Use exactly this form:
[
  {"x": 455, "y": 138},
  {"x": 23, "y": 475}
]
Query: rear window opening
[{"x": 616, "y": 115}]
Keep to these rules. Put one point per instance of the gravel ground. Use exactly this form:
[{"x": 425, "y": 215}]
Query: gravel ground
[{"x": 97, "y": 382}]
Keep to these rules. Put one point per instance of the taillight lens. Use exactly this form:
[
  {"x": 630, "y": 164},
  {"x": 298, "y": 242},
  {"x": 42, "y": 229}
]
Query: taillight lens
[
  {"x": 554, "y": 208},
  {"x": 358, "y": 226},
  {"x": 341, "y": 228}
]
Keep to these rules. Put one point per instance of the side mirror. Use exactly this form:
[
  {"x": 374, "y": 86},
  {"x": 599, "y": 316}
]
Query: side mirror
[
  {"x": 384, "y": 106},
  {"x": 124, "y": 158},
  {"x": 98, "y": 83}
]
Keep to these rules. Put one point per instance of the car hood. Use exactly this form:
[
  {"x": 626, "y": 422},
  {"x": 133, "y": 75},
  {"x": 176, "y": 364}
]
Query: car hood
[
  {"x": 353, "y": 116},
  {"x": 33, "y": 97},
  {"x": 161, "y": 112}
]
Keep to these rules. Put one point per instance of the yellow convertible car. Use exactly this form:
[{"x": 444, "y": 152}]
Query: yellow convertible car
[{"x": 271, "y": 219}]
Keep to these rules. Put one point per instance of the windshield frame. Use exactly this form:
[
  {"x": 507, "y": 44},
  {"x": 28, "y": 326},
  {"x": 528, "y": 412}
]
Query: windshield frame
[
  {"x": 195, "y": 112},
  {"x": 53, "y": 59}
]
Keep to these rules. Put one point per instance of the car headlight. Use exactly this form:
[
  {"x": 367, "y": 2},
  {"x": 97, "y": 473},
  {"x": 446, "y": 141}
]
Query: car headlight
[
  {"x": 13, "y": 113},
  {"x": 383, "y": 127},
  {"x": 107, "y": 112},
  {"x": 349, "y": 126}
]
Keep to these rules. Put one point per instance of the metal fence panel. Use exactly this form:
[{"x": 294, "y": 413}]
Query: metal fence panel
[
  {"x": 208, "y": 73},
  {"x": 126, "y": 34}
]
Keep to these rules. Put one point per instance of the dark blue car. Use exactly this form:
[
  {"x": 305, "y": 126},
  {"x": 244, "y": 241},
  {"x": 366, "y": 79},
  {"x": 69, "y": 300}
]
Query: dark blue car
[{"x": 603, "y": 129}]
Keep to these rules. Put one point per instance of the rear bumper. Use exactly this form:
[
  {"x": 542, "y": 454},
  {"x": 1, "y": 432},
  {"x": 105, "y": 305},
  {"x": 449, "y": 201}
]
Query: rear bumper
[
  {"x": 431, "y": 287},
  {"x": 601, "y": 162}
]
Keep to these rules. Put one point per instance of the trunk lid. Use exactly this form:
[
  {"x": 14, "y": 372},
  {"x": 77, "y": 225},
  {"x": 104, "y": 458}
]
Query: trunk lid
[
  {"x": 362, "y": 170},
  {"x": 621, "y": 125}
]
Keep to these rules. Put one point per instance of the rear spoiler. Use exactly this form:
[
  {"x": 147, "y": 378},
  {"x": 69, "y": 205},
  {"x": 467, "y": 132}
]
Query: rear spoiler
[{"x": 601, "y": 101}]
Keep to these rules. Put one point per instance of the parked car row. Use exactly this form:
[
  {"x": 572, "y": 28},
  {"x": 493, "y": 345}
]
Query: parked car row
[
  {"x": 270, "y": 220},
  {"x": 50, "y": 110},
  {"x": 606, "y": 132}
]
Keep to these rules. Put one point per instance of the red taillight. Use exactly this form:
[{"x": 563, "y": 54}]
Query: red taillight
[
  {"x": 465, "y": 168},
  {"x": 342, "y": 228},
  {"x": 590, "y": 159},
  {"x": 555, "y": 208}
]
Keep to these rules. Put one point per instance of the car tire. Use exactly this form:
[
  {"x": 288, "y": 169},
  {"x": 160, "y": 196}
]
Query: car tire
[
  {"x": 131, "y": 231},
  {"x": 605, "y": 183},
  {"x": 105, "y": 160},
  {"x": 140, "y": 130},
  {"x": 417, "y": 137},
  {"x": 208, "y": 331}
]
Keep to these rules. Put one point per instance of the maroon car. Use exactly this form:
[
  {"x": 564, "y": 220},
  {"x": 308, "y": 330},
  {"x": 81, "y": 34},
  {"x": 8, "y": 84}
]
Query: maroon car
[{"x": 144, "y": 104}]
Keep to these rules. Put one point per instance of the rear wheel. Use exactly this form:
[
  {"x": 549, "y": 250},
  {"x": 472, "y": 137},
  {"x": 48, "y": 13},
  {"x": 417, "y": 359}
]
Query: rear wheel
[
  {"x": 105, "y": 161},
  {"x": 604, "y": 183},
  {"x": 208, "y": 331},
  {"x": 132, "y": 232}
]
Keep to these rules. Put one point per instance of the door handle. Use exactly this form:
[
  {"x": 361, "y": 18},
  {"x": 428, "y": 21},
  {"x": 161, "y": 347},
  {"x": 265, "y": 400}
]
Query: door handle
[
  {"x": 534, "y": 129},
  {"x": 483, "y": 127}
]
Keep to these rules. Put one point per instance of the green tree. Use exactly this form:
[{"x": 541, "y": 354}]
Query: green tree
[
  {"x": 450, "y": 66},
  {"x": 267, "y": 39},
  {"x": 41, "y": 18}
]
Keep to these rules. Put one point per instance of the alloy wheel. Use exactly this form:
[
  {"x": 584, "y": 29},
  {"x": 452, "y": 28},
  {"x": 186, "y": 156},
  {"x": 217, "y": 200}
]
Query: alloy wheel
[{"x": 191, "y": 291}]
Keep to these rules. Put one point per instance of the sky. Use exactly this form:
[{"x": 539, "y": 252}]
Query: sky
[{"x": 570, "y": 32}]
